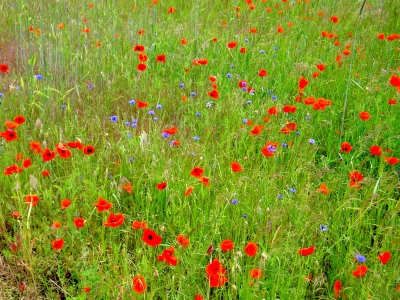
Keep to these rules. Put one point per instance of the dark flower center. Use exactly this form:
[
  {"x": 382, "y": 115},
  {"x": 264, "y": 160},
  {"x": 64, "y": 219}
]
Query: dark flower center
[{"x": 150, "y": 237}]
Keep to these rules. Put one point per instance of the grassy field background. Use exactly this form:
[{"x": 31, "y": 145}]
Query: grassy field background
[{"x": 273, "y": 123}]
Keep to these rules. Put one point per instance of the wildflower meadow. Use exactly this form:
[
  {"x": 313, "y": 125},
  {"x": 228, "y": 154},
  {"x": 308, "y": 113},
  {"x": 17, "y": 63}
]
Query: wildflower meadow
[{"x": 169, "y": 149}]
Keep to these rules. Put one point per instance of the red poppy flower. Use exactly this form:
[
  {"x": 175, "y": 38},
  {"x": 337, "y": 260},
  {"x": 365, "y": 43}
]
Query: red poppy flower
[
  {"x": 139, "y": 284},
  {"x": 320, "y": 67},
  {"x": 226, "y": 245},
  {"x": 4, "y": 68},
  {"x": 141, "y": 104},
  {"x": 231, "y": 45},
  {"x": 127, "y": 187},
  {"x": 236, "y": 167},
  {"x": 12, "y": 169},
  {"x": 65, "y": 203},
  {"x": 337, "y": 287},
  {"x": 392, "y": 101},
  {"x": 346, "y": 52},
  {"x": 114, "y": 220},
  {"x": 32, "y": 200},
  {"x": 88, "y": 150},
  {"x": 197, "y": 172},
  {"x": 323, "y": 189},
  {"x": 142, "y": 57},
  {"x": 183, "y": 41},
  {"x": 151, "y": 238},
  {"x": 381, "y": 36},
  {"x": 273, "y": 110},
  {"x": 19, "y": 120},
  {"x": 161, "y": 58},
  {"x": 161, "y": 186},
  {"x": 242, "y": 50},
  {"x": 86, "y": 30},
  {"x": 255, "y": 273},
  {"x": 302, "y": 82},
  {"x": 346, "y": 147},
  {"x": 306, "y": 251},
  {"x": 365, "y": 115},
  {"x": 79, "y": 222},
  {"x": 215, "y": 272},
  {"x": 138, "y": 225},
  {"x": 198, "y": 297},
  {"x": 138, "y": 48},
  {"x": 262, "y": 73},
  {"x": 27, "y": 163},
  {"x": 360, "y": 271},
  {"x": 395, "y": 81},
  {"x": 183, "y": 241},
  {"x": 168, "y": 256},
  {"x": 375, "y": 150},
  {"x": 392, "y": 160},
  {"x": 189, "y": 191},
  {"x": 315, "y": 74},
  {"x": 9, "y": 135},
  {"x": 62, "y": 151},
  {"x": 48, "y": 155},
  {"x": 171, "y": 10},
  {"x": 10, "y": 125},
  {"x": 214, "y": 94},
  {"x": 76, "y": 144},
  {"x": 141, "y": 67},
  {"x": 176, "y": 143},
  {"x": 251, "y": 249},
  {"x": 289, "y": 109},
  {"x": 86, "y": 289},
  {"x": 56, "y": 225},
  {"x": 58, "y": 244},
  {"x": 334, "y": 19},
  {"x": 280, "y": 29},
  {"x": 355, "y": 178},
  {"x": 256, "y": 130},
  {"x": 16, "y": 215},
  {"x": 171, "y": 130},
  {"x": 203, "y": 61},
  {"x": 45, "y": 173},
  {"x": 103, "y": 205},
  {"x": 384, "y": 257}
]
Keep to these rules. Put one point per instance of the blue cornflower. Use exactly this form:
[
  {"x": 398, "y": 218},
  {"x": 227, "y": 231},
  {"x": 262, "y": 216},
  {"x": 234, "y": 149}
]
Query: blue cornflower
[
  {"x": 134, "y": 124},
  {"x": 132, "y": 102},
  {"x": 311, "y": 141},
  {"x": 232, "y": 66},
  {"x": 181, "y": 85},
  {"x": 63, "y": 106},
  {"x": 275, "y": 48},
  {"x": 193, "y": 94},
  {"x": 262, "y": 51},
  {"x": 209, "y": 104},
  {"x": 298, "y": 132},
  {"x": 229, "y": 75},
  {"x": 155, "y": 119},
  {"x": 361, "y": 258},
  {"x": 271, "y": 148},
  {"x": 198, "y": 114},
  {"x": 323, "y": 228},
  {"x": 158, "y": 106},
  {"x": 196, "y": 138},
  {"x": 129, "y": 135},
  {"x": 151, "y": 112},
  {"x": 274, "y": 97},
  {"x": 244, "y": 216},
  {"x": 90, "y": 86},
  {"x": 307, "y": 117},
  {"x": 1, "y": 95},
  {"x": 131, "y": 159},
  {"x": 249, "y": 102},
  {"x": 245, "y": 121},
  {"x": 284, "y": 145},
  {"x": 165, "y": 135},
  {"x": 246, "y": 40},
  {"x": 244, "y": 89},
  {"x": 292, "y": 190},
  {"x": 39, "y": 76},
  {"x": 280, "y": 196},
  {"x": 234, "y": 201},
  {"x": 114, "y": 119},
  {"x": 127, "y": 124}
]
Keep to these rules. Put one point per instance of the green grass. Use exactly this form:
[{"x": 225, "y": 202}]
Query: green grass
[{"x": 279, "y": 205}]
